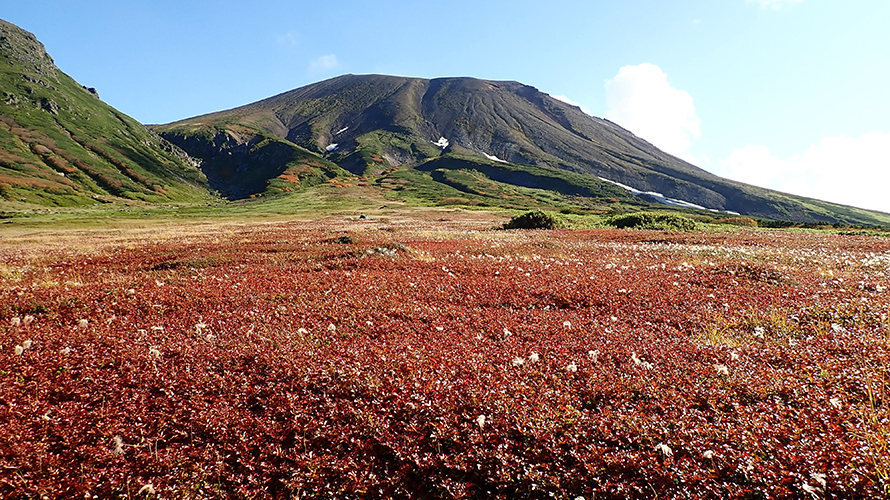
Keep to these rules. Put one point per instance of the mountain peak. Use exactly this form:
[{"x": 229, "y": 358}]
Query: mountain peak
[{"x": 23, "y": 47}]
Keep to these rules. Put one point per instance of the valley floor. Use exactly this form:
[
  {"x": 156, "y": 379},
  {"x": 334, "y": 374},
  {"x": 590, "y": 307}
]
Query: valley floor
[{"x": 428, "y": 355}]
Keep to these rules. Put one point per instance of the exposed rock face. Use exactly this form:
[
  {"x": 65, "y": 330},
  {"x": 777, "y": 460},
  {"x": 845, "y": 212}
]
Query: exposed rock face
[
  {"x": 49, "y": 105},
  {"x": 24, "y": 47}
]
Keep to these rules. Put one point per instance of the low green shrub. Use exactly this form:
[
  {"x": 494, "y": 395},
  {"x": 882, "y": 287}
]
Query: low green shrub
[
  {"x": 535, "y": 219},
  {"x": 737, "y": 221},
  {"x": 650, "y": 220}
]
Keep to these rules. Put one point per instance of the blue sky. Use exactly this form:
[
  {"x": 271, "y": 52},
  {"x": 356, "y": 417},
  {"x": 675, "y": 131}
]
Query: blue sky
[{"x": 786, "y": 94}]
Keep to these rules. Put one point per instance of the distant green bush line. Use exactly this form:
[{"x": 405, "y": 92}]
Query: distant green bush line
[
  {"x": 650, "y": 220},
  {"x": 737, "y": 221}
]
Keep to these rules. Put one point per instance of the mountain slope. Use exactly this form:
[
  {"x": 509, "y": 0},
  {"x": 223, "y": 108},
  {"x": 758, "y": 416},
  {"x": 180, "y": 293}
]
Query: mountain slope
[
  {"x": 368, "y": 124},
  {"x": 60, "y": 145}
]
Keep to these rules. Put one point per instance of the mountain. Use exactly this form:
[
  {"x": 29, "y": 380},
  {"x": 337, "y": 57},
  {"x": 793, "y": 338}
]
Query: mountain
[
  {"x": 60, "y": 145},
  {"x": 466, "y": 136},
  {"x": 446, "y": 141}
]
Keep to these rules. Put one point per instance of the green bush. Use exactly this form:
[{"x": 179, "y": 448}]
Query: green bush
[
  {"x": 737, "y": 221},
  {"x": 535, "y": 219},
  {"x": 649, "y": 220}
]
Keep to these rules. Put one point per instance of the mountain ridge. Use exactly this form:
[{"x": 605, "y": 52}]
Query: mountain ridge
[
  {"x": 60, "y": 145},
  {"x": 368, "y": 124},
  {"x": 439, "y": 141}
]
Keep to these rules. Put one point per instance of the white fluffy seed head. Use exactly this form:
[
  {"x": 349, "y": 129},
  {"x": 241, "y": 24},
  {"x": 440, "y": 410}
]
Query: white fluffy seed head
[
  {"x": 118, "y": 445},
  {"x": 517, "y": 361},
  {"x": 19, "y": 350},
  {"x": 533, "y": 357},
  {"x": 148, "y": 489},
  {"x": 332, "y": 327},
  {"x": 28, "y": 319},
  {"x": 27, "y": 344},
  {"x": 15, "y": 322},
  {"x": 66, "y": 351},
  {"x": 594, "y": 355},
  {"x": 154, "y": 353},
  {"x": 567, "y": 324},
  {"x": 721, "y": 369},
  {"x": 480, "y": 421},
  {"x": 664, "y": 450},
  {"x": 572, "y": 367},
  {"x": 708, "y": 454},
  {"x": 83, "y": 324}
]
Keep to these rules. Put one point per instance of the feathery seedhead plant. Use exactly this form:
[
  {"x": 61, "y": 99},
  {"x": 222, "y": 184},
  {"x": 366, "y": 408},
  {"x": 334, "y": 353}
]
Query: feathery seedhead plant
[
  {"x": 572, "y": 367},
  {"x": 480, "y": 421},
  {"x": 664, "y": 450},
  {"x": 154, "y": 353},
  {"x": 15, "y": 322},
  {"x": 118, "y": 445},
  {"x": 534, "y": 357},
  {"x": 28, "y": 319},
  {"x": 19, "y": 350},
  {"x": 83, "y": 324},
  {"x": 721, "y": 369},
  {"x": 27, "y": 344},
  {"x": 517, "y": 361}
]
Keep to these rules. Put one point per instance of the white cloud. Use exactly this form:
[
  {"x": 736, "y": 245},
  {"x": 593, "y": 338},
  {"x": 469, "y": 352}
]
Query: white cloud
[
  {"x": 641, "y": 99},
  {"x": 324, "y": 63},
  {"x": 773, "y": 4},
  {"x": 573, "y": 103},
  {"x": 847, "y": 170}
]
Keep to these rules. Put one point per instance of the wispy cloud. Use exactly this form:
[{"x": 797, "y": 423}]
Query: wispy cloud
[
  {"x": 573, "y": 103},
  {"x": 291, "y": 39},
  {"x": 773, "y": 4},
  {"x": 641, "y": 99},
  {"x": 324, "y": 63},
  {"x": 849, "y": 170}
]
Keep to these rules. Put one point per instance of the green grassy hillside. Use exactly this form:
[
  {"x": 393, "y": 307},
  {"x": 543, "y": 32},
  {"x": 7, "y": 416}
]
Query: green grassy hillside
[{"x": 60, "y": 145}]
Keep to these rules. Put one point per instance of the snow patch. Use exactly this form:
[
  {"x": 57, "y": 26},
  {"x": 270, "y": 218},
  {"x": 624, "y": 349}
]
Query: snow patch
[
  {"x": 442, "y": 142},
  {"x": 658, "y": 197},
  {"x": 344, "y": 129},
  {"x": 493, "y": 158},
  {"x": 332, "y": 147}
]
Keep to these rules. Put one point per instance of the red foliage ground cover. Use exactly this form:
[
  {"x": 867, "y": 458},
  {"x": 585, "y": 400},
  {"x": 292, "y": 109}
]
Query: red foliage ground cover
[{"x": 294, "y": 360}]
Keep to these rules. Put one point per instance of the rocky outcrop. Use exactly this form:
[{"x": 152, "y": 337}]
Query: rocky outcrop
[{"x": 23, "y": 47}]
